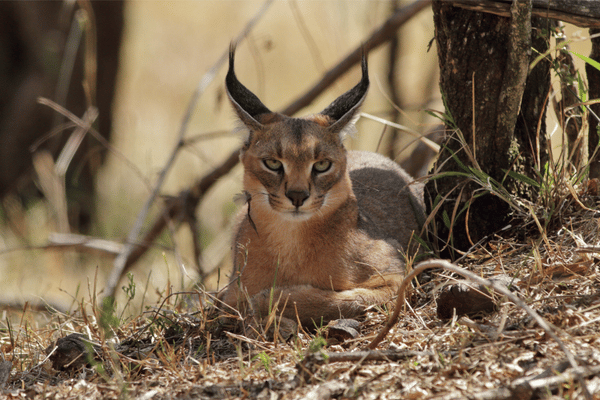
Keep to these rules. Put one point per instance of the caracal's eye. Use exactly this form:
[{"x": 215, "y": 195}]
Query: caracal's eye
[
  {"x": 322, "y": 166},
  {"x": 272, "y": 164}
]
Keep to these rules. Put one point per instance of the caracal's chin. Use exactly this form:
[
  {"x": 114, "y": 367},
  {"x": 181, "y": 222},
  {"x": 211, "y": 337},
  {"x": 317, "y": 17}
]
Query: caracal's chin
[{"x": 297, "y": 215}]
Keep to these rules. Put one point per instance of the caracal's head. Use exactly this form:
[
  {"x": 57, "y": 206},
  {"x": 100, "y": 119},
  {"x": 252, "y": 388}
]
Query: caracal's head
[{"x": 295, "y": 167}]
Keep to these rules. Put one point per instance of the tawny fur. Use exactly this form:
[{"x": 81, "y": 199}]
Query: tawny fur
[{"x": 343, "y": 248}]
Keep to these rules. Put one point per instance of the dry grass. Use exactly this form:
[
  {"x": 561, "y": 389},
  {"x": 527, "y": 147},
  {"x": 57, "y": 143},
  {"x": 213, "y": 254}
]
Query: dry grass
[{"x": 171, "y": 351}]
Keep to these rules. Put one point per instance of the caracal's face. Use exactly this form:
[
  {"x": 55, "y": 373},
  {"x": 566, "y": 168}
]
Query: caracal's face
[{"x": 295, "y": 168}]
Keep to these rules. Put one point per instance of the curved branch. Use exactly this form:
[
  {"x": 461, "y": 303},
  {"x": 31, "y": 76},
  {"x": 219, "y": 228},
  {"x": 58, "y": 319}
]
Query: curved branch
[{"x": 471, "y": 276}]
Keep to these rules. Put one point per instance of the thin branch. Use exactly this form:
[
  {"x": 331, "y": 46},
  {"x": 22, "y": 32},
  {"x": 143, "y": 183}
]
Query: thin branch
[
  {"x": 520, "y": 387},
  {"x": 121, "y": 261},
  {"x": 189, "y": 199},
  {"x": 305, "y": 32},
  {"x": 372, "y": 355},
  {"x": 83, "y": 242},
  {"x": 393, "y": 83},
  {"x": 68, "y": 62},
  {"x": 376, "y": 39},
  {"x": 90, "y": 57},
  {"x": 425, "y": 140},
  {"x": 53, "y": 188},
  {"x": 74, "y": 141},
  {"x": 176, "y": 206},
  {"x": 78, "y": 122}
]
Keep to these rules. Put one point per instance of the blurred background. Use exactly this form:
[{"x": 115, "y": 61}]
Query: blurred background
[{"x": 151, "y": 57}]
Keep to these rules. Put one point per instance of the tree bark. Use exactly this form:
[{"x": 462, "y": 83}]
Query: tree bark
[
  {"x": 583, "y": 13},
  {"x": 498, "y": 114},
  {"x": 593, "y": 76}
]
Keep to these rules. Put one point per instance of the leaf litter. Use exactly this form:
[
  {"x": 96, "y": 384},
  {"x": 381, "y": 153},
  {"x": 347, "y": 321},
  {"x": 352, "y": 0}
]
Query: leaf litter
[{"x": 178, "y": 351}]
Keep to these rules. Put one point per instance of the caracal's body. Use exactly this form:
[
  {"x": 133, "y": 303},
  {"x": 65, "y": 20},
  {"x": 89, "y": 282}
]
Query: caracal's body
[{"x": 324, "y": 230}]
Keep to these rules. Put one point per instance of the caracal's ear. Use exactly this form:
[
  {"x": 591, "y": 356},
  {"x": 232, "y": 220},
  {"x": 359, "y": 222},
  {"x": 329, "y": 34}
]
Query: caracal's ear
[
  {"x": 247, "y": 106},
  {"x": 344, "y": 110}
]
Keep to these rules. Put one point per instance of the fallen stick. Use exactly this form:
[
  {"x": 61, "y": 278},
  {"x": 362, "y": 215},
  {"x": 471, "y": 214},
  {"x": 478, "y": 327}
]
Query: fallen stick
[
  {"x": 524, "y": 388},
  {"x": 485, "y": 282},
  {"x": 359, "y": 356}
]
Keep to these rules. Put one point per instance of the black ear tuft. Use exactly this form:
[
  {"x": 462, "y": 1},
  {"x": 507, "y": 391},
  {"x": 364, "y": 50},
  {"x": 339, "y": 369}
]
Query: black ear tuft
[
  {"x": 343, "y": 109},
  {"x": 246, "y": 104}
]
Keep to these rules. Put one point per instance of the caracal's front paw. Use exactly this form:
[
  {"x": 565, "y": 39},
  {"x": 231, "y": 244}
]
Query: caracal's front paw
[{"x": 270, "y": 328}]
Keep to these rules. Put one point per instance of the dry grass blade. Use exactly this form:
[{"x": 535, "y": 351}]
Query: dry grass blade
[{"x": 428, "y": 142}]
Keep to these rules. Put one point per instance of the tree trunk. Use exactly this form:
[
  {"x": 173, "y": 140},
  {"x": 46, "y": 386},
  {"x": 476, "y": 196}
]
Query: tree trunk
[
  {"x": 593, "y": 76},
  {"x": 484, "y": 61}
]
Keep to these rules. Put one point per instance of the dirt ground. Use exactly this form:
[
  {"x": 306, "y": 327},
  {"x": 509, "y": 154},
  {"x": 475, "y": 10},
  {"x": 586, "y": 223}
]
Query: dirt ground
[{"x": 175, "y": 351}]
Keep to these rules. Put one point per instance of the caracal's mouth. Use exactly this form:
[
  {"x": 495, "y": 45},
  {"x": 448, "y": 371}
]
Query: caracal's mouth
[
  {"x": 297, "y": 214},
  {"x": 301, "y": 213},
  {"x": 290, "y": 213}
]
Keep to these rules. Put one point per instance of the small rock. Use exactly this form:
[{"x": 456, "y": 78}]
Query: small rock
[
  {"x": 72, "y": 352},
  {"x": 465, "y": 298},
  {"x": 341, "y": 330}
]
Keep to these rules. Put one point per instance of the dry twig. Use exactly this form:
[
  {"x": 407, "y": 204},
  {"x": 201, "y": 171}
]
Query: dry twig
[{"x": 121, "y": 261}]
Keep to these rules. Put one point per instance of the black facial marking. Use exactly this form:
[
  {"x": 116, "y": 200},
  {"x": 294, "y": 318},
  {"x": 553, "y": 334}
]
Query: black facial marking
[
  {"x": 248, "y": 200},
  {"x": 296, "y": 129}
]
